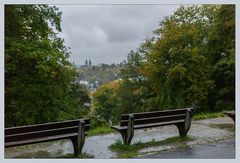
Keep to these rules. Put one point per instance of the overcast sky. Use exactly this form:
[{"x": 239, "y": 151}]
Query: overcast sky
[{"x": 106, "y": 33}]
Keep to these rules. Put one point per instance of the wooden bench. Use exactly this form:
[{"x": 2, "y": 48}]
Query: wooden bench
[
  {"x": 179, "y": 117},
  {"x": 231, "y": 114},
  {"x": 31, "y": 134}
]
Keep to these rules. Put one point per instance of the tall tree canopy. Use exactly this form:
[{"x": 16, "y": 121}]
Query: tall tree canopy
[
  {"x": 38, "y": 76},
  {"x": 189, "y": 60}
]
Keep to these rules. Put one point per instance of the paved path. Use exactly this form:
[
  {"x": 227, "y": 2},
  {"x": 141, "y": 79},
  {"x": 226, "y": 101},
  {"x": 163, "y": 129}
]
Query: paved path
[
  {"x": 220, "y": 150},
  {"x": 203, "y": 131}
]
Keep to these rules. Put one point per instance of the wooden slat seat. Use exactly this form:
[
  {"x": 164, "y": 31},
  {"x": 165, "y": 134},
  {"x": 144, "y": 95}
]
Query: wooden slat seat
[
  {"x": 39, "y": 140},
  {"x": 119, "y": 128},
  {"x": 31, "y": 134},
  {"x": 179, "y": 117}
]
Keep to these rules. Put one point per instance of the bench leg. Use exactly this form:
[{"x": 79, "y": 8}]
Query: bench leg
[
  {"x": 126, "y": 138},
  {"x": 183, "y": 128},
  {"x": 127, "y": 135},
  {"x": 75, "y": 146},
  {"x": 78, "y": 141}
]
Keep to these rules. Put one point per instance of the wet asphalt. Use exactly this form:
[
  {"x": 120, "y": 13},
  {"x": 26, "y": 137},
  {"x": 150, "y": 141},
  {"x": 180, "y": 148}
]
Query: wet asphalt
[{"x": 219, "y": 150}]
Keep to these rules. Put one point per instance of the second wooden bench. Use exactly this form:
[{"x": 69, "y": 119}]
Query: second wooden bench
[{"x": 129, "y": 122}]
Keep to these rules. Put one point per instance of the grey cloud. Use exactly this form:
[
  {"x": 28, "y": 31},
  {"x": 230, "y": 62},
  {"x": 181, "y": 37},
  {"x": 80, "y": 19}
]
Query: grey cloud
[{"x": 106, "y": 33}]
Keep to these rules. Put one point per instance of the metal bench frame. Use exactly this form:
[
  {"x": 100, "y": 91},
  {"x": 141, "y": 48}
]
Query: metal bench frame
[
  {"x": 75, "y": 130},
  {"x": 179, "y": 117}
]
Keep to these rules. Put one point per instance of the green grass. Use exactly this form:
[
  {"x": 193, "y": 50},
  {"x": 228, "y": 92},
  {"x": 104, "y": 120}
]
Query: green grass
[
  {"x": 100, "y": 131},
  {"x": 128, "y": 151},
  {"x": 199, "y": 116}
]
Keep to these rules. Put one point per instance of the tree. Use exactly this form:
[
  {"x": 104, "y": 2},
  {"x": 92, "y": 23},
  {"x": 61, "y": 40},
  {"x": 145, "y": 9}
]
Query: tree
[
  {"x": 185, "y": 62},
  {"x": 224, "y": 58},
  {"x": 106, "y": 101},
  {"x": 179, "y": 60},
  {"x": 135, "y": 91},
  {"x": 78, "y": 103},
  {"x": 37, "y": 71}
]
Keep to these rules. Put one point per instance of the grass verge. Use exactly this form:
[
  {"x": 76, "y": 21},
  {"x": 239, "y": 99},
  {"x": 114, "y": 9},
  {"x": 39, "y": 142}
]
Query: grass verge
[
  {"x": 200, "y": 116},
  {"x": 128, "y": 151},
  {"x": 100, "y": 131}
]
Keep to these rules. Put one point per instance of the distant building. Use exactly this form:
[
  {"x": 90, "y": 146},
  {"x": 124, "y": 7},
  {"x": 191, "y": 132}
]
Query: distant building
[
  {"x": 83, "y": 82},
  {"x": 88, "y": 63}
]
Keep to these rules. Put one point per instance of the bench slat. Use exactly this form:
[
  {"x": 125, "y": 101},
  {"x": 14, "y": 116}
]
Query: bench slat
[
  {"x": 158, "y": 124},
  {"x": 155, "y": 119},
  {"x": 155, "y": 113},
  {"x": 44, "y": 126},
  {"x": 87, "y": 127},
  {"x": 39, "y": 140},
  {"x": 120, "y": 128}
]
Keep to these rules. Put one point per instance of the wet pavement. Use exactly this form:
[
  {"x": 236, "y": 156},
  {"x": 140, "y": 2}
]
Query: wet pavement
[
  {"x": 203, "y": 131},
  {"x": 219, "y": 150}
]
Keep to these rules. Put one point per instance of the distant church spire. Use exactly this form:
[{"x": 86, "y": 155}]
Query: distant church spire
[
  {"x": 86, "y": 62},
  {"x": 90, "y": 62}
]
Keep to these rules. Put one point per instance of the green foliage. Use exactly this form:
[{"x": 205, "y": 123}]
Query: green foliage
[
  {"x": 38, "y": 75},
  {"x": 97, "y": 121},
  {"x": 105, "y": 101},
  {"x": 118, "y": 146},
  {"x": 136, "y": 91},
  {"x": 100, "y": 131},
  {"x": 204, "y": 115},
  {"x": 180, "y": 54},
  {"x": 224, "y": 63},
  {"x": 77, "y": 104},
  {"x": 190, "y": 60}
]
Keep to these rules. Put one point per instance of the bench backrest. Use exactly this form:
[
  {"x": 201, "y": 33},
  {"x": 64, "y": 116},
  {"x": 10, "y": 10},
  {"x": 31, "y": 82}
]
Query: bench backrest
[
  {"x": 44, "y": 130},
  {"x": 156, "y": 116}
]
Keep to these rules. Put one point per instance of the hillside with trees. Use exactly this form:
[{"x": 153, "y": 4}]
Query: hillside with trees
[{"x": 96, "y": 75}]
